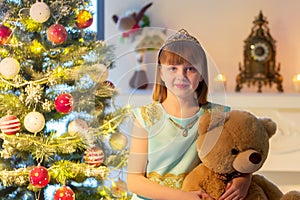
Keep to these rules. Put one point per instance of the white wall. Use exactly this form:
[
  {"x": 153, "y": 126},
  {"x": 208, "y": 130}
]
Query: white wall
[{"x": 221, "y": 27}]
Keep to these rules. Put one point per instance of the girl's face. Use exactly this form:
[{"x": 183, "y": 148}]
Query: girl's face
[{"x": 181, "y": 80}]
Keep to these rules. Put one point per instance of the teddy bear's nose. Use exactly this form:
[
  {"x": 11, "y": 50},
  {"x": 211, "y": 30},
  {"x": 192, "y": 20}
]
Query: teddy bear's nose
[{"x": 255, "y": 158}]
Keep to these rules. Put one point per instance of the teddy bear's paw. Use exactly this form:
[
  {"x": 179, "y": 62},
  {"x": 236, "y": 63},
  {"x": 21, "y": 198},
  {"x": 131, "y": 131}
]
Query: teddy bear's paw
[{"x": 291, "y": 195}]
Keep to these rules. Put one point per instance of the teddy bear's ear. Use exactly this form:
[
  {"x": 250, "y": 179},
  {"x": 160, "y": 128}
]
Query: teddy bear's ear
[
  {"x": 269, "y": 125},
  {"x": 212, "y": 120}
]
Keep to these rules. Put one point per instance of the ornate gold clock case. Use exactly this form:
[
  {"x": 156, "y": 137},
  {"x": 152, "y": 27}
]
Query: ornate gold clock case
[{"x": 259, "y": 59}]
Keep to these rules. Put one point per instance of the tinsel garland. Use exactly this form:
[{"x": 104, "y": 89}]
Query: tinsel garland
[
  {"x": 63, "y": 170},
  {"x": 60, "y": 172},
  {"x": 31, "y": 97},
  {"x": 42, "y": 148}
]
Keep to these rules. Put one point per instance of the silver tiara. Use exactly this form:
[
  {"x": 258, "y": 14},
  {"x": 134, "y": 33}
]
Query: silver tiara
[{"x": 181, "y": 35}]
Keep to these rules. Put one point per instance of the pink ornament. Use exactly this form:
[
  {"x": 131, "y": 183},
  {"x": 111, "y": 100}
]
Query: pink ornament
[
  {"x": 57, "y": 34},
  {"x": 77, "y": 126},
  {"x": 10, "y": 124},
  {"x": 5, "y": 33},
  {"x": 94, "y": 156},
  {"x": 64, "y": 103},
  {"x": 64, "y": 193},
  {"x": 39, "y": 177}
]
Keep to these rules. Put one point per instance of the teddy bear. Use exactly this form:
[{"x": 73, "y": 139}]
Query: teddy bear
[{"x": 229, "y": 145}]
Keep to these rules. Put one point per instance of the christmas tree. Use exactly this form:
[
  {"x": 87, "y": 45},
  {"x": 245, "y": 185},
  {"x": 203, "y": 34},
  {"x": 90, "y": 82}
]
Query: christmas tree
[{"x": 59, "y": 125}]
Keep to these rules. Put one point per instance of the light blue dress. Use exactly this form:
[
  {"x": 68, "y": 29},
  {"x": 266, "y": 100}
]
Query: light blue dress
[{"x": 171, "y": 149}]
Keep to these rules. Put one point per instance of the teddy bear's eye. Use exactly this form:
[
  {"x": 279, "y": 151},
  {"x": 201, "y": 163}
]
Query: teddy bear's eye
[{"x": 234, "y": 151}]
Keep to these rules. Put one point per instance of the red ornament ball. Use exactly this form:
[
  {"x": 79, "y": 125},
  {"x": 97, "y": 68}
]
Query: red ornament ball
[
  {"x": 64, "y": 103},
  {"x": 64, "y": 193},
  {"x": 84, "y": 19},
  {"x": 10, "y": 124},
  {"x": 94, "y": 156},
  {"x": 57, "y": 34},
  {"x": 5, "y": 33},
  {"x": 39, "y": 177}
]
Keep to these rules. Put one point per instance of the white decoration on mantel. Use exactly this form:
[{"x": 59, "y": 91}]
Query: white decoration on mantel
[{"x": 287, "y": 137}]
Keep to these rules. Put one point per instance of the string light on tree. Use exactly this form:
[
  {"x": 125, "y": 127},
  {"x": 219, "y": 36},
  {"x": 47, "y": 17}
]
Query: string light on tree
[
  {"x": 34, "y": 122},
  {"x": 64, "y": 103},
  {"x": 5, "y": 33},
  {"x": 9, "y": 67},
  {"x": 64, "y": 193},
  {"x": 84, "y": 19},
  {"x": 57, "y": 34},
  {"x": 39, "y": 177},
  {"x": 39, "y": 12},
  {"x": 10, "y": 124}
]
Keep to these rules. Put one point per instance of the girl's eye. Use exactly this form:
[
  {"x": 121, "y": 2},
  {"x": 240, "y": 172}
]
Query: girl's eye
[
  {"x": 191, "y": 69},
  {"x": 172, "y": 69}
]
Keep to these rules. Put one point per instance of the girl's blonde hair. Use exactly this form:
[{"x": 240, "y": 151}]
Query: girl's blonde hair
[{"x": 182, "y": 52}]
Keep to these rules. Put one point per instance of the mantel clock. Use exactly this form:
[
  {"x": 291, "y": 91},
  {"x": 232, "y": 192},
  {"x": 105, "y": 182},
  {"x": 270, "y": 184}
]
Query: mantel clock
[{"x": 259, "y": 66}]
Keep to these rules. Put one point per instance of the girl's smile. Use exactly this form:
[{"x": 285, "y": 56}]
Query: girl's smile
[{"x": 181, "y": 86}]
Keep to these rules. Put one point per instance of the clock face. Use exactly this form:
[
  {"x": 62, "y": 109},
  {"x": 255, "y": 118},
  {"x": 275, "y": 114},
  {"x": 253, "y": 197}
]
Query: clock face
[{"x": 260, "y": 51}]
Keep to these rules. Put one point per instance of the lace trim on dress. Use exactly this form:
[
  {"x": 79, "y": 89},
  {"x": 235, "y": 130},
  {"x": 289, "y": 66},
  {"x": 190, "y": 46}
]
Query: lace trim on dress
[
  {"x": 170, "y": 180},
  {"x": 151, "y": 113}
]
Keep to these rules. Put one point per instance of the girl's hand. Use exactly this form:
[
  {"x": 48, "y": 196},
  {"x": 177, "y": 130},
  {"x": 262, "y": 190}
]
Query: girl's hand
[
  {"x": 237, "y": 188},
  {"x": 199, "y": 195}
]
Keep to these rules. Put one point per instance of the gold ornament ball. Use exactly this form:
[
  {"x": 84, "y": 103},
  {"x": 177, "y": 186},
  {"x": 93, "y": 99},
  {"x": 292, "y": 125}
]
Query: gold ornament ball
[
  {"x": 118, "y": 141},
  {"x": 84, "y": 19}
]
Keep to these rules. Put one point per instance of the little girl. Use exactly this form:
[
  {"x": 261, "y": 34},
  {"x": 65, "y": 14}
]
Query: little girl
[{"x": 163, "y": 145}]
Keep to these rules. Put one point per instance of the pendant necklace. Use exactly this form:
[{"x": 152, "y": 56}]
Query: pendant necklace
[{"x": 185, "y": 129}]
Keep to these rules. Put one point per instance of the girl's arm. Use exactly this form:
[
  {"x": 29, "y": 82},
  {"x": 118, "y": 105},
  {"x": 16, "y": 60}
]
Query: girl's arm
[
  {"x": 237, "y": 188},
  {"x": 136, "y": 180}
]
